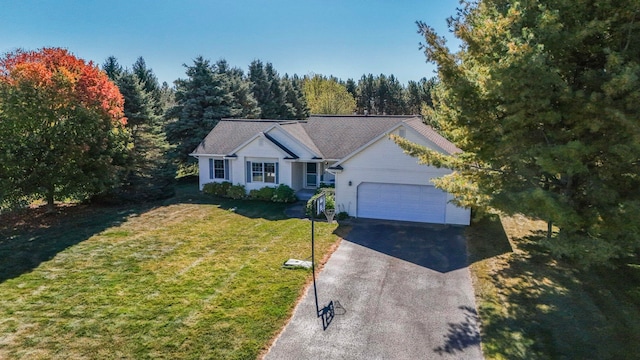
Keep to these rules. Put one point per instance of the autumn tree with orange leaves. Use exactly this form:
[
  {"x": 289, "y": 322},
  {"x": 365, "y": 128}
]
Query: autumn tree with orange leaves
[{"x": 62, "y": 127}]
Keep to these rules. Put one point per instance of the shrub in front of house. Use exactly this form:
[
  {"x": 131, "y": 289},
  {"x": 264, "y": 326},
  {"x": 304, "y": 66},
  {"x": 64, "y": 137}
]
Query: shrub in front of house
[
  {"x": 284, "y": 194},
  {"x": 236, "y": 192},
  {"x": 217, "y": 189},
  {"x": 264, "y": 194}
]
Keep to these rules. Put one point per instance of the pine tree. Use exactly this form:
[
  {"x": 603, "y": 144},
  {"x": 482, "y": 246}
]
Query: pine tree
[
  {"x": 112, "y": 68},
  {"x": 366, "y": 95},
  {"x": 149, "y": 174},
  {"x": 276, "y": 98},
  {"x": 240, "y": 88},
  {"x": 201, "y": 101},
  {"x": 294, "y": 95},
  {"x": 149, "y": 82},
  {"x": 418, "y": 95},
  {"x": 352, "y": 87},
  {"x": 543, "y": 97}
]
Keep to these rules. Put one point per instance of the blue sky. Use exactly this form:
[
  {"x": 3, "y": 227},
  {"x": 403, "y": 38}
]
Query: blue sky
[{"x": 345, "y": 38}]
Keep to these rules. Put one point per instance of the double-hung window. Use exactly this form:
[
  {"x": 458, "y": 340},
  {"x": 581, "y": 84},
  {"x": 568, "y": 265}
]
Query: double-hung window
[
  {"x": 219, "y": 169},
  {"x": 257, "y": 172},
  {"x": 262, "y": 171}
]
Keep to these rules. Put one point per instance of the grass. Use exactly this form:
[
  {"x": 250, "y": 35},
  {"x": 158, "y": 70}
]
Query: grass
[
  {"x": 191, "y": 277},
  {"x": 532, "y": 306}
]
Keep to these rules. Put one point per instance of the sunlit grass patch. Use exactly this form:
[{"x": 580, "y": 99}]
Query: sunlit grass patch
[{"x": 187, "y": 279}]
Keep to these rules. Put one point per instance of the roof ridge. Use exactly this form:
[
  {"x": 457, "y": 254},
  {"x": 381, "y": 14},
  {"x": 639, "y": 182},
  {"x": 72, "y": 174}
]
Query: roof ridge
[
  {"x": 258, "y": 120},
  {"x": 364, "y": 116}
]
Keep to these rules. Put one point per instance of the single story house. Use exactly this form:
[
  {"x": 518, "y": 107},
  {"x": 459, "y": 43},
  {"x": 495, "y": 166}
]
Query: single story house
[{"x": 373, "y": 177}]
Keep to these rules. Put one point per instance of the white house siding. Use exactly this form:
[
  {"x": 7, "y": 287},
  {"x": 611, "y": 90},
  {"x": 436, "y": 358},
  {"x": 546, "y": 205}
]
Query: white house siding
[
  {"x": 297, "y": 171},
  {"x": 384, "y": 162},
  {"x": 203, "y": 170},
  {"x": 268, "y": 152}
]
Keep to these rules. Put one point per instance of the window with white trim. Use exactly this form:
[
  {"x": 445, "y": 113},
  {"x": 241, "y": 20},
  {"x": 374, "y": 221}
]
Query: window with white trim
[
  {"x": 265, "y": 172},
  {"x": 219, "y": 169}
]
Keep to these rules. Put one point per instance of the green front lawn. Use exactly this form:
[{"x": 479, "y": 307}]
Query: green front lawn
[
  {"x": 533, "y": 306},
  {"x": 193, "y": 277}
]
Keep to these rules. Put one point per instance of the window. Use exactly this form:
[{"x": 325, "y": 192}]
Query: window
[
  {"x": 266, "y": 172},
  {"x": 256, "y": 172},
  {"x": 218, "y": 169},
  {"x": 269, "y": 172}
]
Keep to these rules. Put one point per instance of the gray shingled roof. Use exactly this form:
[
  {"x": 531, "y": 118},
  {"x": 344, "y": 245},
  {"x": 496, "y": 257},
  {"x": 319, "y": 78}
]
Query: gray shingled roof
[
  {"x": 432, "y": 135},
  {"x": 339, "y": 136},
  {"x": 227, "y": 135},
  {"x": 331, "y": 136}
]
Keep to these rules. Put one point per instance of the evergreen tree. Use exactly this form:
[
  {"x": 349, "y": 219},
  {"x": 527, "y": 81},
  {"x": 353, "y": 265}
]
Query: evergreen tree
[
  {"x": 366, "y": 95},
  {"x": 276, "y": 98},
  {"x": 294, "y": 95},
  {"x": 543, "y": 97},
  {"x": 418, "y": 95},
  {"x": 148, "y": 172},
  {"x": 149, "y": 82},
  {"x": 352, "y": 87},
  {"x": 240, "y": 88},
  {"x": 167, "y": 97},
  {"x": 201, "y": 101},
  {"x": 112, "y": 68}
]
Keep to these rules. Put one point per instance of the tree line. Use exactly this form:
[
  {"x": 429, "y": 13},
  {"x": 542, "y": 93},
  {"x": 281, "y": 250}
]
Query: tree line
[{"x": 127, "y": 143}]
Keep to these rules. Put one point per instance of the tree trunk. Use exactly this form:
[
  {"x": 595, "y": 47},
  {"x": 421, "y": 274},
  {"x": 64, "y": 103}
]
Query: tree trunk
[
  {"x": 50, "y": 205},
  {"x": 549, "y": 229}
]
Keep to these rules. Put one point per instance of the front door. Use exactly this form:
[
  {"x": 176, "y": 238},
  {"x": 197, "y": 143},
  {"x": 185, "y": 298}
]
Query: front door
[{"x": 311, "y": 175}]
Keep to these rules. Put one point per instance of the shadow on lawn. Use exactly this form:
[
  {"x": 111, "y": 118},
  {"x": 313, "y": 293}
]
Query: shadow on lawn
[
  {"x": 31, "y": 236},
  {"x": 545, "y": 308}
]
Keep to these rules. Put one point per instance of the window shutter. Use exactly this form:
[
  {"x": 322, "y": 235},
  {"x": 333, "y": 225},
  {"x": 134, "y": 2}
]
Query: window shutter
[
  {"x": 277, "y": 174},
  {"x": 210, "y": 168},
  {"x": 248, "y": 171},
  {"x": 226, "y": 169}
]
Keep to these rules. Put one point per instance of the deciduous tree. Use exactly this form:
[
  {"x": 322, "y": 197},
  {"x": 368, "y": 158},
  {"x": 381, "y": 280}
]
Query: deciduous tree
[
  {"x": 62, "y": 126},
  {"x": 327, "y": 96}
]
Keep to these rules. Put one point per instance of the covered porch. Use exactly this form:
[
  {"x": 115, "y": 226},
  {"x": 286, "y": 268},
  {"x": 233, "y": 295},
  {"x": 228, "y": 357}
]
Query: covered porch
[{"x": 310, "y": 175}]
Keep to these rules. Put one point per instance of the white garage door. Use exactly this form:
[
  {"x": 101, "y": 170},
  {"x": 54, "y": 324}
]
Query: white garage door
[{"x": 417, "y": 203}]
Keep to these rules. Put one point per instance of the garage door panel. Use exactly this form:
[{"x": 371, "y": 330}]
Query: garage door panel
[{"x": 418, "y": 203}]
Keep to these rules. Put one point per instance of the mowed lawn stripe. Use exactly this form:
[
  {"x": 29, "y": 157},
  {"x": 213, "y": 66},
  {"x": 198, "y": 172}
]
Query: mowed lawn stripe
[{"x": 177, "y": 281}]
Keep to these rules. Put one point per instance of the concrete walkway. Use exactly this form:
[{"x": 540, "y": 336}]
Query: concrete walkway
[{"x": 400, "y": 291}]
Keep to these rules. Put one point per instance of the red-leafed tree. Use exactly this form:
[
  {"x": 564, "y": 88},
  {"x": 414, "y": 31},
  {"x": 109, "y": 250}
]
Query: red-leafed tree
[{"x": 61, "y": 127}]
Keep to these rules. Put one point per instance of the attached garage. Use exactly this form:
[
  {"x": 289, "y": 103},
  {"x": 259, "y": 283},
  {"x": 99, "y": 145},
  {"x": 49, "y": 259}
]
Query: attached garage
[{"x": 418, "y": 203}]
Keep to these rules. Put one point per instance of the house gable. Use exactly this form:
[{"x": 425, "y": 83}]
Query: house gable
[
  {"x": 286, "y": 139},
  {"x": 381, "y": 163},
  {"x": 408, "y": 132},
  {"x": 262, "y": 145}
]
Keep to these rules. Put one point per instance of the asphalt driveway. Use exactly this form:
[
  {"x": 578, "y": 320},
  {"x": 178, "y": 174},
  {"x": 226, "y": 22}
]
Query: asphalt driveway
[{"x": 399, "y": 291}]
